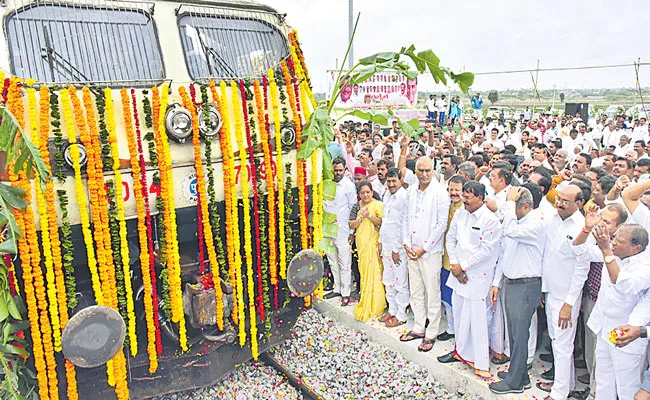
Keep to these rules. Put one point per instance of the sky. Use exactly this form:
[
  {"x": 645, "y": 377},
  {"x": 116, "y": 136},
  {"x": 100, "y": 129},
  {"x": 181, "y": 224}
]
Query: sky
[{"x": 484, "y": 36}]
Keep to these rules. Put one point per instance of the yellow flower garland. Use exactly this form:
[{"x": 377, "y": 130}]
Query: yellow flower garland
[
  {"x": 169, "y": 216},
  {"x": 203, "y": 196},
  {"x": 275, "y": 104},
  {"x": 15, "y": 105},
  {"x": 142, "y": 231},
  {"x": 119, "y": 202},
  {"x": 270, "y": 184},
  {"x": 230, "y": 199},
  {"x": 247, "y": 228},
  {"x": 45, "y": 233},
  {"x": 300, "y": 165}
]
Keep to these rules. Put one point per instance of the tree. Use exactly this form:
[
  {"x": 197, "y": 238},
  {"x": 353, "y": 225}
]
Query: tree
[
  {"x": 493, "y": 96},
  {"x": 562, "y": 97}
]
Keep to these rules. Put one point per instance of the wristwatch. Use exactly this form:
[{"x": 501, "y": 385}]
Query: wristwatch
[
  {"x": 609, "y": 259},
  {"x": 644, "y": 332}
]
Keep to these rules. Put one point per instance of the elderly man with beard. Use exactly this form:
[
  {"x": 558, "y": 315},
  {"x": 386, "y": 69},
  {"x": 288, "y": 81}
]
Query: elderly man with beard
[
  {"x": 473, "y": 245},
  {"x": 339, "y": 260},
  {"x": 563, "y": 276},
  {"x": 613, "y": 217},
  {"x": 455, "y": 190},
  {"x": 391, "y": 250},
  {"x": 423, "y": 228}
]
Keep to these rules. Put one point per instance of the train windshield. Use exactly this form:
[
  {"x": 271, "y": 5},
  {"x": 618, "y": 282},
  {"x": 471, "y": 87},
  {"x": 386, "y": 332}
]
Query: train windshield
[
  {"x": 66, "y": 42},
  {"x": 220, "y": 43}
]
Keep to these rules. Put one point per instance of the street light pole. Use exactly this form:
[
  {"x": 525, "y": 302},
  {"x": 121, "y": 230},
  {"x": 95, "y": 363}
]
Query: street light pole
[{"x": 350, "y": 30}]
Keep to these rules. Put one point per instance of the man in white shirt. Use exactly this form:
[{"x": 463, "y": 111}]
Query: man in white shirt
[
  {"x": 520, "y": 266},
  {"x": 611, "y": 136},
  {"x": 473, "y": 246},
  {"x": 563, "y": 277},
  {"x": 339, "y": 259},
  {"x": 432, "y": 107},
  {"x": 641, "y": 132},
  {"x": 425, "y": 222},
  {"x": 442, "y": 110},
  {"x": 494, "y": 140},
  {"x": 391, "y": 249},
  {"x": 625, "y": 281},
  {"x": 500, "y": 179}
]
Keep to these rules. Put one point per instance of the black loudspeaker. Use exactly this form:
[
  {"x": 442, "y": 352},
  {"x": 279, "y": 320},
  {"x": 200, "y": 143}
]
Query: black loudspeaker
[{"x": 581, "y": 108}]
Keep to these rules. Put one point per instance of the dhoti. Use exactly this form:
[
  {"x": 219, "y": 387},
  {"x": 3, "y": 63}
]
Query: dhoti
[{"x": 471, "y": 329}]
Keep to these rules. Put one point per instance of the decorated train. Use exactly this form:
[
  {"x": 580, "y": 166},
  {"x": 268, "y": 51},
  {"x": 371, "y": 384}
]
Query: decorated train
[{"x": 157, "y": 256}]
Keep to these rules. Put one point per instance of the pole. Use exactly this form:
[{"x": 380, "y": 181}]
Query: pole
[{"x": 350, "y": 30}]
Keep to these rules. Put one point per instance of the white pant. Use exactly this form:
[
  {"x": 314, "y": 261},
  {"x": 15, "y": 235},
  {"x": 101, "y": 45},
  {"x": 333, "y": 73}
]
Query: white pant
[
  {"x": 424, "y": 283},
  {"x": 562, "y": 343},
  {"x": 471, "y": 319},
  {"x": 395, "y": 279},
  {"x": 617, "y": 372},
  {"x": 478, "y": 114},
  {"x": 341, "y": 266}
]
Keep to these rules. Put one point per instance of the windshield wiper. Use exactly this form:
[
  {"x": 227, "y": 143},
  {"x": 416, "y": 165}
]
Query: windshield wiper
[{"x": 211, "y": 53}]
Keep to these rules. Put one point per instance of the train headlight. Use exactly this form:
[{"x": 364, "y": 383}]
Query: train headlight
[
  {"x": 67, "y": 155},
  {"x": 209, "y": 121},
  {"x": 178, "y": 122}
]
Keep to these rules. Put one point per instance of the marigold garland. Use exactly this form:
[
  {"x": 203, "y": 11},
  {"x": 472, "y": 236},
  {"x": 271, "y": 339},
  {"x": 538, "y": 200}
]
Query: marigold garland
[
  {"x": 248, "y": 242},
  {"x": 53, "y": 304},
  {"x": 270, "y": 183},
  {"x": 15, "y": 105},
  {"x": 142, "y": 234},
  {"x": 203, "y": 202},
  {"x": 275, "y": 103},
  {"x": 293, "y": 38},
  {"x": 159, "y": 103},
  {"x": 256, "y": 220},
  {"x": 293, "y": 102},
  {"x": 125, "y": 258},
  {"x": 232, "y": 224},
  {"x": 228, "y": 184}
]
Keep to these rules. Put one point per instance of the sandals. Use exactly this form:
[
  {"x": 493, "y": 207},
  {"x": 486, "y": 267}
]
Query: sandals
[
  {"x": 392, "y": 322},
  {"x": 544, "y": 386},
  {"x": 407, "y": 337},
  {"x": 426, "y": 345},
  {"x": 385, "y": 317}
]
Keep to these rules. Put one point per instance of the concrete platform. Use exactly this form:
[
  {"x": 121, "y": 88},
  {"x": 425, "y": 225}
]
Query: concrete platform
[{"x": 454, "y": 376}]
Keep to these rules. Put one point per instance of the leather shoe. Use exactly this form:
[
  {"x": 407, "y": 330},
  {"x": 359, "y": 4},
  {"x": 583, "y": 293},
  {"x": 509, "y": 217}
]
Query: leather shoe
[
  {"x": 500, "y": 360},
  {"x": 447, "y": 358},
  {"x": 444, "y": 336},
  {"x": 584, "y": 379},
  {"x": 345, "y": 301},
  {"x": 504, "y": 374},
  {"x": 547, "y": 357},
  {"x": 331, "y": 295},
  {"x": 549, "y": 375}
]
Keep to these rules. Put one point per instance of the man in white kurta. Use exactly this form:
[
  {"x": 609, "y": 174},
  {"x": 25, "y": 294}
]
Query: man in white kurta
[
  {"x": 339, "y": 258},
  {"x": 473, "y": 246},
  {"x": 395, "y": 276},
  {"x": 625, "y": 280},
  {"x": 424, "y": 224},
  {"x": 563, "y": 277}
]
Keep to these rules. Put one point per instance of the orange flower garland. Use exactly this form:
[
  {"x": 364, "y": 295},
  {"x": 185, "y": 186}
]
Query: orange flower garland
[
  {"x": 45, "y": 233},
  {"x": 142, "y": 232},
  {"x": 270, "y": 183},
  {"x": 15, "y": 105},
  {"x": 203, "y": 200},
  {"x": 119, "y": 201},
  {"x": 275, "y": 104},
  {"x": 230, "y": 198},
  {"x": 300, "y": 167},
  {"x": 169, "y": 215},
  {"x": 248, "y": 242}
]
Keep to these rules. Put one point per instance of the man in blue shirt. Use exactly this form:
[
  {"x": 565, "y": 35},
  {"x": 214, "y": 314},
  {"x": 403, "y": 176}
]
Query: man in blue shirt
[{"x": 477, "y": 103}]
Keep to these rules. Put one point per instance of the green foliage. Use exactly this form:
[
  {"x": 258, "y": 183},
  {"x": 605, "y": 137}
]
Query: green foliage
[
  {"x": 493, "y": 96},
  {"x": 562, "y": 97}
]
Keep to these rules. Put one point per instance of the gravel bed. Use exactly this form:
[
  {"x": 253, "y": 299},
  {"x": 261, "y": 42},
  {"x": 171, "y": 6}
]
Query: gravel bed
[
  {"x": 341, "y": 363},
  {"x": 251, "y": 380}
]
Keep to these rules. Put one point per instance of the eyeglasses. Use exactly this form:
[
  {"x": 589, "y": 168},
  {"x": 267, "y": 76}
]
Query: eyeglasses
[
  {"x": 468, "y": 198},
  {"x": 424, "y": 171},
  {"x": 564, "y": 202}
]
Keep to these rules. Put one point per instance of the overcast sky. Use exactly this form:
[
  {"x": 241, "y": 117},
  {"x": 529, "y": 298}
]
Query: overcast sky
[{"x": 485, "y": 36}]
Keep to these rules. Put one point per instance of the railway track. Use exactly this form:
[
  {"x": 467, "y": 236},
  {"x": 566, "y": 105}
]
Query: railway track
[{"x": 294, "y": 379}]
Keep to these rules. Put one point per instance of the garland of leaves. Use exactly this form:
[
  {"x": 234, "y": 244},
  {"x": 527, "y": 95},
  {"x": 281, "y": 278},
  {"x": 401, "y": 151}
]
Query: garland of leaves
[{"x": 67, "y": 248}]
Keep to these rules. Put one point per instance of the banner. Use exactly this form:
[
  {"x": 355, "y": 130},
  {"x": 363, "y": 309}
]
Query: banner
[{"x": 383, "y": 90}]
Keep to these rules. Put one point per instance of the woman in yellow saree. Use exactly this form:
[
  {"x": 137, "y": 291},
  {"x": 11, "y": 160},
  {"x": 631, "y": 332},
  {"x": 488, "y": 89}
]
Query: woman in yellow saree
[{"x": 373, "y": 297}]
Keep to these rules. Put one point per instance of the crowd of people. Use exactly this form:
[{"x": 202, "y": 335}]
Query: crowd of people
[{"x": 502, "y": 225}]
